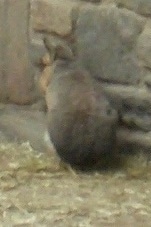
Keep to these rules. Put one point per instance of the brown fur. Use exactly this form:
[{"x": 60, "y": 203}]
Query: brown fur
[{"x": 81, "y": 122}]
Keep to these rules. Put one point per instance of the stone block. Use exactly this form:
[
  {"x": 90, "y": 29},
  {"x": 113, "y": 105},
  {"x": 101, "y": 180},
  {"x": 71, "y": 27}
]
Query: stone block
[
  {"x": 144, "y": 45},
  {"x": 106, "y": 38},
  {"x": 18, "y": 70},
  {"x": 130, "y": 141},
  {"x": 139, "y": 6},
  {"x": 3, "y": 79},
  {"x": 133, "y": 104},
  {"x": 52, "y": 16}
]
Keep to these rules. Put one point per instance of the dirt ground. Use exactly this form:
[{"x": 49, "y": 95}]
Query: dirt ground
[{"x": 36, "y": 191}]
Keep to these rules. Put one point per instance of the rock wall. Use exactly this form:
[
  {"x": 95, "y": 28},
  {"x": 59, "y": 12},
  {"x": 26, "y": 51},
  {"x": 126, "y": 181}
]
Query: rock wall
[
  {"x": 109, "y": 38},
  {"x": 15, "y": 70}
]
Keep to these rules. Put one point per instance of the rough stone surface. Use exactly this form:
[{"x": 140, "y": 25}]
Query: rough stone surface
[
  {"x": 147, "y": 78},
  {"x": 105, "y": 40},
  {"x": 144, "y": 45},
  {"x": 45, "y": 79},
  {"x": 37, "y": 52},
  {"x": 17, "y": 63},
  {"x": 3, "y": 91},
  {"x": 133, "y": 104},
  {"x": 134, "y": 96},
  {"x": 139, "y": 6},
  {"x": 52, "y": 16},
  {"x": 22, "y": 124},
  {"x": 133, "y": 141},
  {"x": 94, "y": 1}
]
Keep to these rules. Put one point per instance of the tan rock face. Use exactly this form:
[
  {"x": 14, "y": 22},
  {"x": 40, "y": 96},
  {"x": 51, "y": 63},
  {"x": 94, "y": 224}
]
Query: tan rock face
[
  {"x": 15, "y": 70},
  {"x": 46, "y": 74},
  {"x": 53, "y": 16},
  {"x": 46, "y": 60},
  {"x": 45, "y": 79}
]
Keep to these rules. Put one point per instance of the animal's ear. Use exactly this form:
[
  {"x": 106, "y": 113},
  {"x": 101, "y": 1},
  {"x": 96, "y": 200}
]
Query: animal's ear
[{"x": 58, "y": 48}]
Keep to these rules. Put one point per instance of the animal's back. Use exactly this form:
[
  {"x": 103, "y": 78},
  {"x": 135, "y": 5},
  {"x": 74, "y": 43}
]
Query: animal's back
[{"x": 78, "y": 123}]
